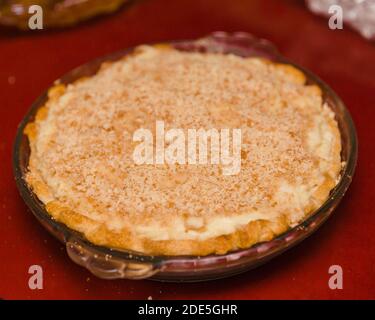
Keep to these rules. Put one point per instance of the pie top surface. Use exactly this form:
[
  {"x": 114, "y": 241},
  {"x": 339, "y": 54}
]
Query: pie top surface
[{"x": 82, "y": 152}]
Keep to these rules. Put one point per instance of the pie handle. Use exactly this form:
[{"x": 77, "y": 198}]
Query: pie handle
[{"x": 107, "y": 266}]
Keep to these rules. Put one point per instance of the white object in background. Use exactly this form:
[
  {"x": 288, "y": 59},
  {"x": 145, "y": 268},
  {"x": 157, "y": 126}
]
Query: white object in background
[{"x": 360, "y": 14}]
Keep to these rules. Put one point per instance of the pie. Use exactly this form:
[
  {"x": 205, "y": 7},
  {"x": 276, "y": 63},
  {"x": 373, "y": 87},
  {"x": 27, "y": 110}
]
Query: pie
[
  {"x": 81, "y": 141},
  {"x": 56, "y": 13}
]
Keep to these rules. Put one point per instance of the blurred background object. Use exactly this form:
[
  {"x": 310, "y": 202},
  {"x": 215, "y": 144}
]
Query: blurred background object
[
  {"x": 360, "y": 14},
  {"x": 56, "y": 13}
]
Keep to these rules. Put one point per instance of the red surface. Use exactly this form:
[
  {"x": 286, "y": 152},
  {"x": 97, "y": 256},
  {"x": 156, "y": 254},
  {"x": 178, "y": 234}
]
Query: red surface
[{"x": 29, "y": 62}]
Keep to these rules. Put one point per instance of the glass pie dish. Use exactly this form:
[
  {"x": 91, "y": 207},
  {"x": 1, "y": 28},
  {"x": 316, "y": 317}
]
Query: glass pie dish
[{"x": 110, "y": 263}]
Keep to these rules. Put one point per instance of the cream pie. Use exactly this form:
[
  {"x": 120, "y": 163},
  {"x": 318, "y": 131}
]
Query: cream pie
[{"x": 82, "y": 145}]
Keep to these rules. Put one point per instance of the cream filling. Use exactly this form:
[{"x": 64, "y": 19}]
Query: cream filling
[
  {"x": 180, "y": 229},
  {"x": 320, "y": 137}
]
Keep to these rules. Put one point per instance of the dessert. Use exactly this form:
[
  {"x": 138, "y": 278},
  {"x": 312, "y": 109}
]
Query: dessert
[
  {"x": 82, "y": 145},
  {"x": 56, "y": 13}
]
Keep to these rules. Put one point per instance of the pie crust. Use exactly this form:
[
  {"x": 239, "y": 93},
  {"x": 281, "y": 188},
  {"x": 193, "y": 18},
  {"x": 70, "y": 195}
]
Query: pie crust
[{"x": 81, "y": 145}]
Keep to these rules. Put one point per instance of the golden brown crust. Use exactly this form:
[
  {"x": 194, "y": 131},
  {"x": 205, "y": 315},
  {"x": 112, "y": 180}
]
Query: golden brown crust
[
  {"x": 99, "y": 234},
  {"x": 245, "y": 236}
]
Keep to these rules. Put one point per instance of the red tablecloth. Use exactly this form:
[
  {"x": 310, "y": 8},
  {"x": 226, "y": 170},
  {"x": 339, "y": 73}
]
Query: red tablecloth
[{"x": 29, "y": 62}]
